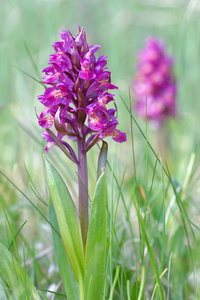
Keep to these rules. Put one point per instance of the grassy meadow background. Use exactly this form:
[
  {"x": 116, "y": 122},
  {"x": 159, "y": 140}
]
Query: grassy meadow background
[{"x": 27, "y": 31}]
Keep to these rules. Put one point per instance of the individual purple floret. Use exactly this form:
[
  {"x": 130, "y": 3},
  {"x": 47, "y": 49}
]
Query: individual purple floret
[
  {"x": 154, "y": 85},
  {"x": 76, "y": 95}
]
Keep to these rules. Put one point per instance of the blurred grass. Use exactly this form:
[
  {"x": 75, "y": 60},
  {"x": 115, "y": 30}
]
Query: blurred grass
[
  {"x": 27, "y": 31},
  {"x": 120, "y": 28}
]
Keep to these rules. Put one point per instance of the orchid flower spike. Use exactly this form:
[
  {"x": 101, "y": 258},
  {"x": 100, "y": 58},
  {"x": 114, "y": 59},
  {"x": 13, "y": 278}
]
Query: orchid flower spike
[
  {"x": 76, "y": 95},
  {"x": 154, "y": 85}
]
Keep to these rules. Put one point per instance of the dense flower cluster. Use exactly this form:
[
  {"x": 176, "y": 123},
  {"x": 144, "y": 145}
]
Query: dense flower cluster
[
  {"x": 154, "y": 85},
  {"x": 76, "y": 94}
]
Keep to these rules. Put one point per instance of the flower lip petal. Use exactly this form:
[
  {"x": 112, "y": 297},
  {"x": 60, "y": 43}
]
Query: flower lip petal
[
  {"x": 118, "y": 136},
  {"x": 46, "y": 122}
]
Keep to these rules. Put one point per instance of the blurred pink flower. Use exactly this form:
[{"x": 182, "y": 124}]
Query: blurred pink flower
[{"x": 154, "y": 85}]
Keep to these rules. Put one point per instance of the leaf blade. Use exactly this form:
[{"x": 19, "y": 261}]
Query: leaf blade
[
  {"x": 10, "y": 270},
  {"x": 65, "y": 270},
  {"x": 96, "y": 244},
  {"x": 67, "y": 218}
]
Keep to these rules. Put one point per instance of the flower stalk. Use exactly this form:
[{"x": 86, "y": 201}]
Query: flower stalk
[{"x": 83, "y": 189}]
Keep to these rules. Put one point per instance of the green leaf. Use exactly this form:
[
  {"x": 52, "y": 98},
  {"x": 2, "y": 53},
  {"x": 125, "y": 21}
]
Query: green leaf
[
  {"x": 96, "y": 244},
  {"x": 2, "y": 291},
  {"x": 67, "y": 218},
  {"x": 14, "y": 276},
  {"x": 135, "y": 290},
  {"x": 65, "y": 270}
]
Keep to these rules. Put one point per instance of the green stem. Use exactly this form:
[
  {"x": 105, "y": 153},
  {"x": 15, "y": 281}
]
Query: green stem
[{"x": 83, "y": 189}]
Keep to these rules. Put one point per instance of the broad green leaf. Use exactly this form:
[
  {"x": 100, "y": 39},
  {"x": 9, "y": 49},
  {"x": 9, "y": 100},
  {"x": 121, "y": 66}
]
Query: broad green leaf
[
  {"x": 13, "y": 274},
  {"x": 66, "y": 273},
  {"x": 96, "y": 244},
  {"x": 67, "y": 218}
]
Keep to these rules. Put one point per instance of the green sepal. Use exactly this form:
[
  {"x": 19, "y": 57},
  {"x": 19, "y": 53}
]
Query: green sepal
[
  {"x": 67, "y": 219},
  {"x": 96, "y": 244},
  {"x": 14, "y": 275}
]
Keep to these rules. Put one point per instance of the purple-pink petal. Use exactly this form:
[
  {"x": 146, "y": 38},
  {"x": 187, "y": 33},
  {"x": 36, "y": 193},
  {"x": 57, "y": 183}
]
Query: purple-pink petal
[
  {"x": 118, "y": 136},
  {"x": 46, "y": 122}
]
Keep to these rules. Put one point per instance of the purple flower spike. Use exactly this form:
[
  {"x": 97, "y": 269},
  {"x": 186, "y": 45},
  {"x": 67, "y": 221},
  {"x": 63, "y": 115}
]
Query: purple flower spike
[
  {"x": 154, "y": 85},
  {"x": 76, "y": 95}
]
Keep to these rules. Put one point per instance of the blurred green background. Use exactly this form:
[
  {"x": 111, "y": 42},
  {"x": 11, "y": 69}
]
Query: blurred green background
[
  {"x": 29, "y": 28},
  {"x": 27, "y": 31}
]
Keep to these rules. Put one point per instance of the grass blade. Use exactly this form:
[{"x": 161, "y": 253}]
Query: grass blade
[
  {"x": 29, "y": 76},
  {"x": 18, "y": 231},
  {"x": 142, "y": 284},
  {"x": 27, "y": 198},
  {"x": 151, "y": 254}
]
